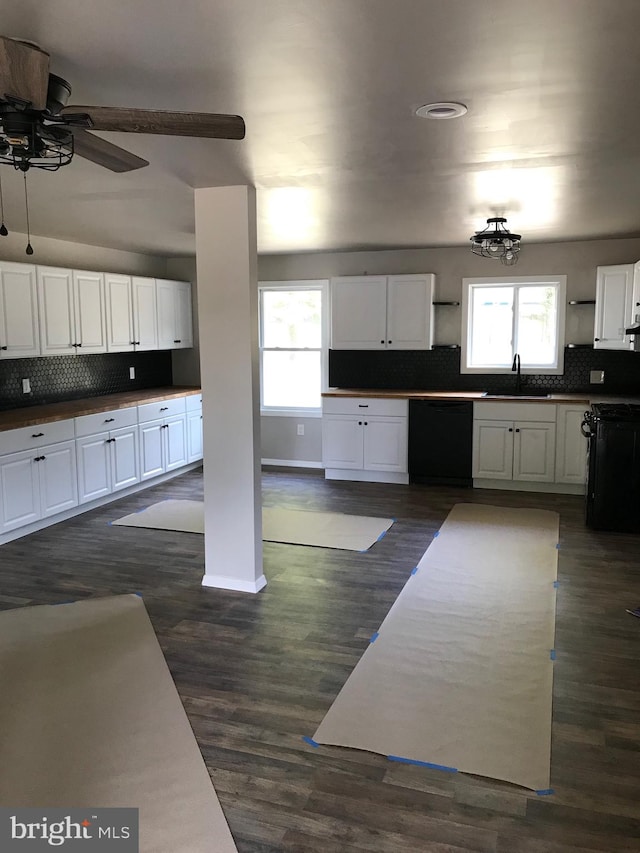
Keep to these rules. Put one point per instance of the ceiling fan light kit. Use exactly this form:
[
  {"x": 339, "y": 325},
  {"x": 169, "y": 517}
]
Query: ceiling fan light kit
[
  {"x": 497, "y": 242},
  {"x": 38, "y": 130}
]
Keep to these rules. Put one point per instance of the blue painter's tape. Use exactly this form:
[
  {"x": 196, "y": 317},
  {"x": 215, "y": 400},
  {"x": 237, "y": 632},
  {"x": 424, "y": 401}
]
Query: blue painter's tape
[
  {"x": 556, "y": 584},
  {"x": 437, "y": 533},
  {"x": 144, "y": 508},
  {"x": 109, "y": 523},
  {"x": 374, "y": 636},
  {"x": 558, "y": 546},
  {"x": 552, "y": 654},
  {"x": 62, "y": 603},
  {"x": 401, "y": 760},
  {"x": 545, "y": 792},
  {"x": 384, "y": 533},
  {"x": 139, "y": 594},
  {"x": 310, "y": 741},
  {"x": 414, "y": 571}
]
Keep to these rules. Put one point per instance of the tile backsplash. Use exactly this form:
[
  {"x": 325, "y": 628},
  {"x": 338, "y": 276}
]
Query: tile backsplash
[
  {"x": 439, "y": 370},
  {"x": 70, "y": 377}
]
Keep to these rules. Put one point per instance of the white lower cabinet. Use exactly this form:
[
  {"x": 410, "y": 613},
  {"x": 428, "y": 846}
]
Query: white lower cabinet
[
  {"x": 45, "y": 471},
  {"x": 571, "y": 446},
  {"x": 107, "y": 462},
  {"x": 36, "y": 484},
  {"x": 514, "y": 441},
  {"x": 163, "y": 446},
  {"x": 194, "y": 435},
  {"x": 365, "y": 439}
]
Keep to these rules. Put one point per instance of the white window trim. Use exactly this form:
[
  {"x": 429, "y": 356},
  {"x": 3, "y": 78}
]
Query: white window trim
[
  {"x": 299, "y": 284},
  {"x": 504, "y": 281}
]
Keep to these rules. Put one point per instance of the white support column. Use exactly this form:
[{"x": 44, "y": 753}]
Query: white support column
[{"x": 226, "y": 258}]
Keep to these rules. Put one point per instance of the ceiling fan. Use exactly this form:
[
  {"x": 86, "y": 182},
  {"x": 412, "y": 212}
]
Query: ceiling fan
[{"x": 39, "y": 130}]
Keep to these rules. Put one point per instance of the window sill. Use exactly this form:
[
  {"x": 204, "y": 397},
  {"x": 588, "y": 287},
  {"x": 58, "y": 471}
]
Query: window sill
[{"x": 291, "y": 413}]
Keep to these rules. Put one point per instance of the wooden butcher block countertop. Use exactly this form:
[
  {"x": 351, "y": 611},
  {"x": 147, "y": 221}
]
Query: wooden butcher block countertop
[
  {"x": 472, "y": 396},
  {"x": 48, "y": 412}
]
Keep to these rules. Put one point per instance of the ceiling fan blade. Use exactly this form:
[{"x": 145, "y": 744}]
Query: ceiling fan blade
[
  {"x": 24, "y": 72},
  {"x": 204, "y": 125},
  {"x": 105, "y": 153}
]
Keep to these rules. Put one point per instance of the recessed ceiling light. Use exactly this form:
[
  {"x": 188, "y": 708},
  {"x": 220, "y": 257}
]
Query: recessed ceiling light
[{"x": 444, "y": 109}]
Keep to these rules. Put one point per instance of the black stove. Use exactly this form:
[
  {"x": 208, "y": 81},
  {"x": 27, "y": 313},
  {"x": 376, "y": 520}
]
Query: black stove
[
  {"x": 616, "y": 411},
  {"x": 613, "y": 479}
]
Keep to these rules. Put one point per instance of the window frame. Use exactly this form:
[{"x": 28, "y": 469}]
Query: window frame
[
  {"x": 558, "y": 281},
  {"x": 321, "y": 284}
]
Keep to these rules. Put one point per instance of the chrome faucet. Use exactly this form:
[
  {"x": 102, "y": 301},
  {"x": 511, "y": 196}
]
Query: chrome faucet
[{"x": 515, "y": 367}]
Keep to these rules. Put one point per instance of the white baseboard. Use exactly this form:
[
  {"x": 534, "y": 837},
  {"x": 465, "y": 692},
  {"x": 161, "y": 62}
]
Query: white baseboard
[
  {"x": 366, "y": 476},
  {"x": 519, "y": 486},
  {"x": 291, "y": 463},
  {"x": 19, "y": 532},
  {"x": 222, "y": 582}
]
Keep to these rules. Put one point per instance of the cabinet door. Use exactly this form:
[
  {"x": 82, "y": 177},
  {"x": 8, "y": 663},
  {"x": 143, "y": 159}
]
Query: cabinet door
[
  {"x": 57, "y": 319},
  {"x": 151, "y": 449},
  {"x": 145, "y": 320},
  {"x": 342, "y": 441},
  {"x": 94, "y": 474},
  {"x": 58, "y": 478},
  {"x": 493, "y": 450},
  {"x": 19, "y": 327},
  {"x": 571, "y": 446},
  {"x": 194, "y": 436},
  {"x": 167, "y": 317},
  {"x": 125, "y": 467},
  {"x": 19, "y": 490},
  {"x": 120, "y": 335},
  {"x": 385, "y": 444},
  {"x": 409, "y": 311},
  {"x": 614, "y": 310},
  {"x": 89, "y": 304},
  {"x": 359, "y": 312},
  {"x": 175, "y": 430},
  {"x": 184, "y": 323},
  {"x": 534, "y": 452}
]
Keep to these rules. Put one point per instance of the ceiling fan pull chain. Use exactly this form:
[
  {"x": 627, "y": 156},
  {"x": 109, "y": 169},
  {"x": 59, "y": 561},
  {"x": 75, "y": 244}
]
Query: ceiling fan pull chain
[
  {"x": 29, "y": 250},
  {"x": 3, "y": 227}
]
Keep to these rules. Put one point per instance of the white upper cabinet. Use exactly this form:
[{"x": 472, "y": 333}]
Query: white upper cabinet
[
  {"x": 120, "y": 336},
  {"x": 19, "y": 336},
  {"x": 145, "y": 326},
  {"x": 175, "y": 329},
  {"x": 89, "y": 305},
  {"x": 382, "y": 312},
  {"x": 71, "y": 307},
  {"x": 131, "y": 313},
  {"x": 614, "y": 309}
]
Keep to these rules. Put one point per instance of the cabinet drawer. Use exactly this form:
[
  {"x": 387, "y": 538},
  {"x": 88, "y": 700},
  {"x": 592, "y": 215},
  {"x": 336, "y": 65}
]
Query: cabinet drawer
[
  {"x": 194, "y": 402},
  {"x": 364, "y": 405},
  {"x": 101, "y": 421},
  {"x": 26, "y": 438},
  {"x": 540, "y": 412},
  {"x": 162, "y": 409}
]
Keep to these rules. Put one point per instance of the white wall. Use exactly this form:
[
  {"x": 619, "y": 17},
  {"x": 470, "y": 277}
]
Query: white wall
[{"x": 80, "y": 256}]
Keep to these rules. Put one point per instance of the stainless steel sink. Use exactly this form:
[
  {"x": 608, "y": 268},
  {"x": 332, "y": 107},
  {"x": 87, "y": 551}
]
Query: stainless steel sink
[{"x": 534, "y": 395}]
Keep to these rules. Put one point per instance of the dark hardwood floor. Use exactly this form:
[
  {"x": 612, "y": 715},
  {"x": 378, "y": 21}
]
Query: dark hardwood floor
[{"x": 257, "y": 673}]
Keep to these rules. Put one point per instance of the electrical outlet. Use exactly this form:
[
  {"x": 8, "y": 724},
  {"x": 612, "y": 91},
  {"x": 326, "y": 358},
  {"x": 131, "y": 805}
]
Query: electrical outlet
[
  {"x": 132, "y": 373},
  {"x": 596, "y": 377},
  {"x": 300, "y": 429},
  {"x": 26, "y": 386}
]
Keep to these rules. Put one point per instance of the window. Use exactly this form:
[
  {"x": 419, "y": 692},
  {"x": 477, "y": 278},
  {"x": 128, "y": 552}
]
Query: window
[
  {"x": 293, "y": 355},
  {"x": 505, "y": 316}
]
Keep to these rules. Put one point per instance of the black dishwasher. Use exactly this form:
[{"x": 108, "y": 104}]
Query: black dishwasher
[{"x": 440, "y": 442}]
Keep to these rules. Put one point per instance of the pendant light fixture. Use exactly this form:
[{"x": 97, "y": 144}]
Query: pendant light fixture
[{"x": 496, "y": 241}]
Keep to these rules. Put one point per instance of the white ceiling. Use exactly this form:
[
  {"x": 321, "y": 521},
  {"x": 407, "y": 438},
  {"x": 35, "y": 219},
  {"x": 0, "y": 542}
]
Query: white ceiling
[{"x": 328, "y": 89}]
